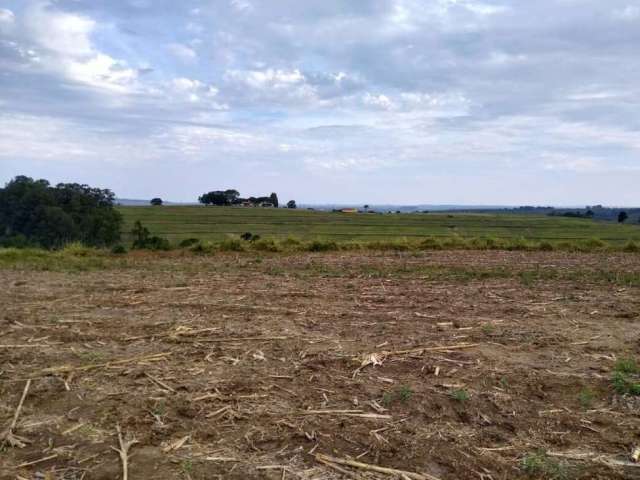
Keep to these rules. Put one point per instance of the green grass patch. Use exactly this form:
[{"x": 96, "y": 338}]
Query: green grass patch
[{"x": 540, "y": 465}]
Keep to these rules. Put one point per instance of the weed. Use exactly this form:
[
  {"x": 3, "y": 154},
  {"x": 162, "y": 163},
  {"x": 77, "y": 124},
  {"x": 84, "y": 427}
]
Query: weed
[
  {"x": 586, "y": 398},
  {"x": 402, "y": 394},
  {"x": 488, "y": 329},
  {"x": 187, "y": 466},
  {"x": 540, "y": 464},
  {"x": 627, "y": 365},
  {"x": 405, "y": 393},
  {"x": 460, "y": 395}
]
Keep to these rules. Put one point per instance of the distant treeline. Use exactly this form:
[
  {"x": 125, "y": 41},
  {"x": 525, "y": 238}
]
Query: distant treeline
[
  {"x": 597, "y": 212},
  {"x": 232, "y": 197}
]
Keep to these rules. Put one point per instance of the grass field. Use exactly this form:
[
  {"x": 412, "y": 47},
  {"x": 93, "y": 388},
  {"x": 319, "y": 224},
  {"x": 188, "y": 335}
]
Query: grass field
[{"x": 218, "y": 223}]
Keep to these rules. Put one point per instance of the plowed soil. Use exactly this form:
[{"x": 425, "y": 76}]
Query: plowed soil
[{"x": 446, "y": 365}]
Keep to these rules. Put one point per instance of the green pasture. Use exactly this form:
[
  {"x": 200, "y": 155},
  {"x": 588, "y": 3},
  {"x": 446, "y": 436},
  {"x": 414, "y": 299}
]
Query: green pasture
[{"x": 218, "y": 223}]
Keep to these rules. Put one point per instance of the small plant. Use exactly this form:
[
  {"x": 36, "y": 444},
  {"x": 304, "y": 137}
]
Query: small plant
[
  {"x": 540, "y": 464},
  {"x": 402, "y": 394},
  {"x": 488, "y": 329},
  {"x": 625, "y": 379},
  {"x": 586, "y": 398},
  {"x": 405, "y": 393},
  {"x": 627, "y": 365},
  {"x": 187, "y": 466},
  {"x": 460, "y": 395},
  {"x": 631, "y": 247},
  {"x": 387, "y": 398}
]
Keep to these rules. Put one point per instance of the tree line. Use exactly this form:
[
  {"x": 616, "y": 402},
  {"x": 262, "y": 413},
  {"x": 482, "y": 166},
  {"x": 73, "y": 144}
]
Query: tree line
[
  {"x": 232, "y": 197},
  {"x": 33, "y": 212}
]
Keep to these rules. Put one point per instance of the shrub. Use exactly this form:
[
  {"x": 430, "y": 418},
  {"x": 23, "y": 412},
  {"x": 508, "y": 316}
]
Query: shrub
[
  {"x": 266, "y": 245},
  {"x": 76, "y": 249},
  {"x": 430, "y": 243},
  {"x": 188, "y": 242},
  {"x": 546, "y": 246},
  {"x": 322, "y": 246},
  {"x": 203, "y": 247},
  {"x": 231, "y": 245},
  {"x": 119, "y": 249},
  {"x": 631, "y": 247},
  {"x": 594, "y": 244},
  {"x": 247, "y": 236}
]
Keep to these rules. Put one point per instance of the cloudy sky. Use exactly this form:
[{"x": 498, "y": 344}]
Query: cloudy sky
[{"x": 368, "y": 101}]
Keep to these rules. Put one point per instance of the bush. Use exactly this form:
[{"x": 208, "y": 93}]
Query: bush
[
  {"x": 144, "y": 241},
  {"x": 430, "y": 243},
  {"x": 631, "y": 247},
  {"x": 76, "y": 249},
  {"x": 188, "y": 242},
  {"x": 546, "y": 246},
  {"x": 266, "y": 245},
  {"x": 203, "y": 247},
  {"x": 119, "y": 249},
  {"x": 231, "y": 245},
  {"x": 322, "y": 246},
  {"x": 15, "y": 241}
]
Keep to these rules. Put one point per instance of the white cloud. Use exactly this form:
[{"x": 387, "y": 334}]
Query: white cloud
[
  {"x": 182, "y": 52},
  {"x": 629, "y": 13},
  {"x": 7, "y": 19}
]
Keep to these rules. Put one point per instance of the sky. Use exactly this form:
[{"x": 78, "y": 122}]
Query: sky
[{"x": 326, "y": 101}]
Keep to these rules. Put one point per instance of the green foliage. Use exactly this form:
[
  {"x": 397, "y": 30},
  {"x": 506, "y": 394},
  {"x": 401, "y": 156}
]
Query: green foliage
[
  {"x": 266, "y": 245},
  {"x": 231, "y": 245},
  {"x": 627, "y": 365},
  {"x": 203, "y": 247},
  {"x": 430, "y": 243},
  {"x": 54, "y": 216},
  {"x": 460, "y": 395},
  {"x": 188, "y": 242},
  {"x": 322, "y": 246},
  {"x": 156, "y": 202},
  {"x": 586, "y": 398},
  {"x": 292, "y": 204},
  {"x": 626, "y": 379},
  {"x": 631, "y": 247},
  {"x": 402, "y": 394},
  {"x": 539, "y": 464},
  {"x": 119, "y": 249},
  {"x": 546, "y": 246},
  {"x": 144, "y": 240}
]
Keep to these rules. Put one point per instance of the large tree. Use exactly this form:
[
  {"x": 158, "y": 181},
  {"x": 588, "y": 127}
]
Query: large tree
[
  {"x": 52, "y": 216},
  {"x": 274, "y": 199}
]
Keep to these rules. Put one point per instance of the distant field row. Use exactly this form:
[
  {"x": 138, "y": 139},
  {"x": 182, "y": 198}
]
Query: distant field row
[{"x": 217, "y": 223}]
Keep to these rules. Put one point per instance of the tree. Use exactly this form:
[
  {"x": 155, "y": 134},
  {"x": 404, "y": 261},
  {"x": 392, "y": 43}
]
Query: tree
[
  {"x": 274, "y": 199},
  {"x": 622, "y": 217},
  {"x": 291, "y": 204},
  {"x": 53, "y": 216},
  {"x": 156, "y": 202},
  {"x": 216, "y": 197}
]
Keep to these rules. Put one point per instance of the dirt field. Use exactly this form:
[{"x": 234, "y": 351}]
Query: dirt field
[{"x": 247, "y": 366}]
